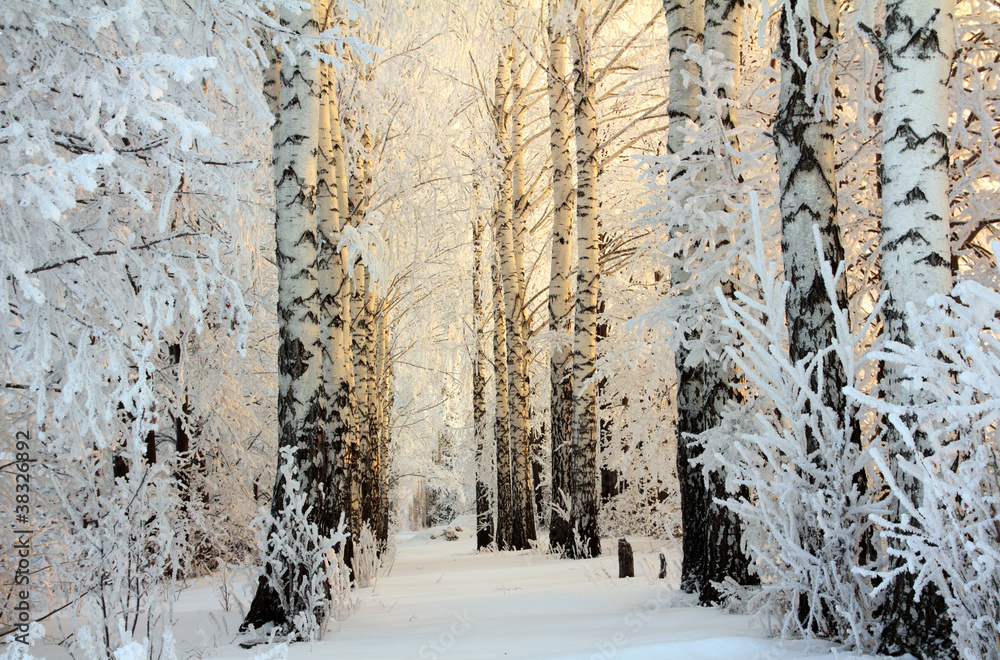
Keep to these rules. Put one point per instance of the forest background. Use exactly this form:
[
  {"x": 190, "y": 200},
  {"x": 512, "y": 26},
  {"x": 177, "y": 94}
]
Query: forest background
[{"x": 734, "y": 165}]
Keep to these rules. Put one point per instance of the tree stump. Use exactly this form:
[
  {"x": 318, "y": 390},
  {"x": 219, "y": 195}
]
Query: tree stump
[{"x": 626, "y": 563}]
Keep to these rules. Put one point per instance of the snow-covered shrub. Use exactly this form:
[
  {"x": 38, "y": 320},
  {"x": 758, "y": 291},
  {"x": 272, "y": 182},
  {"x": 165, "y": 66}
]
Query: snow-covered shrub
[
  {"x": 128, "y": 547},
  {"x": 637, "y": 417},
  {"x": 19, "y": 643},
  {"x": 338, "y": 575},
  {"x": 807, "y": 521},
  {"x": 90, "y": 648},
  {"x": 949, "y": 533},
  {"x": 298, "y": 556},
  {"x": 366, "y": 558}
]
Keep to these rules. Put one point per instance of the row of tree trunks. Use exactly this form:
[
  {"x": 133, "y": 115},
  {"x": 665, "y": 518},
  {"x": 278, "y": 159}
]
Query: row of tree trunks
[
  {"x": 334, "y": 361},
  {"x": 516, "y": 529}
]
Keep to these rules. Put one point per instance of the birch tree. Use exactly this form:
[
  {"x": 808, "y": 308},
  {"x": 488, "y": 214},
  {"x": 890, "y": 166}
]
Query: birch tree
[
  {"x": 804, "y": 131},
  {"x": 917, "y": 49},
  {"x": 284, "y": 589},
  {"x": 583, "y": 448},
  {"x": 501, "y": 422},
  {"x": 515, "y": 291},
  {"x": 685, "y": 22},
  {"x": 484, "y": 509},
  {"x": 724, "y": 558},
  {"x": 334, "y": 288},
  {"x": 560, "y": 285}
]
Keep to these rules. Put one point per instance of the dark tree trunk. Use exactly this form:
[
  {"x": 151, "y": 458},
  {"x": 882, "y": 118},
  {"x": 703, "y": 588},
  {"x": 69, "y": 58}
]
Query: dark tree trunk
[
  {"x": 484, "y": 512},
  {"x": 712, "y": 538},
  {"x": 626, "y": 560}
]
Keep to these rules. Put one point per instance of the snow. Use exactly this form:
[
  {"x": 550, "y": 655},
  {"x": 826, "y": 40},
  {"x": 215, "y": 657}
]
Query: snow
[{"x": 441, "y": 599}]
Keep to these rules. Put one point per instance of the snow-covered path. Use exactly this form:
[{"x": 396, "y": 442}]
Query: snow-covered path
[{"x": 442, "y": 600}]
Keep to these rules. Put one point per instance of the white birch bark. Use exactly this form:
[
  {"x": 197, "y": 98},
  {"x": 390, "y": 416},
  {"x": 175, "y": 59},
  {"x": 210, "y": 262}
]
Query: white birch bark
[
  {"x": 300, "y": 395},
  {"x": 523, "y": 503},
  {"x": 583, "y": 449},
  {"x": 723, "y": 20},
  {"x": 804, "y": 137},
  {"x": 501, "y": 427},
  {"x": 560, "y": 284},
  {"x": 917, "y": 54},
  {"x": 685, "y": 24},
  {"x": 301, "y": 411},
  {"x": 352, "y": 495},
  {"x": 723, "y": 556},
  {"x": 484, "y": 510},
  {"x": 333, "y": 282}
]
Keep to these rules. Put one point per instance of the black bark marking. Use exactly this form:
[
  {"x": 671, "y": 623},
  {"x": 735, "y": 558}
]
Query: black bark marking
[
  {"x": 934, "y": 260},
  {"x": 915, "y": 194},
  {"x": 913, "y": 236}
]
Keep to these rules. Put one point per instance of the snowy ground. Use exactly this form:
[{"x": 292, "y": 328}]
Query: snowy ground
[{"x": 443, "y": 600}]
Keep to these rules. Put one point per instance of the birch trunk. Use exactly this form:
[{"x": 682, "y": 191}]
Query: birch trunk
[
  {"x": 360, "y": 330},
  {"x": 916, "y": 257},
  {"x": 501, "y": 428},
  {"x": 724, "y": 558},
  {"x": 685, "y": 24},
  {"x": 804, "y": 136},
  {"x": 347, "y": 398},
  {"x": 809, "y": 194},
  {"x": 383, "y": 400},
  {"x": 583, "y": 448},
  {"x": 518, "y": 356},
  {"x": 484, "y": 512},
  {"x": 301, "y": 411},
  {"x": 371, "y": 468},
  {"x": 560, "y": 287},
  {"x": 333, "y": 282}
]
